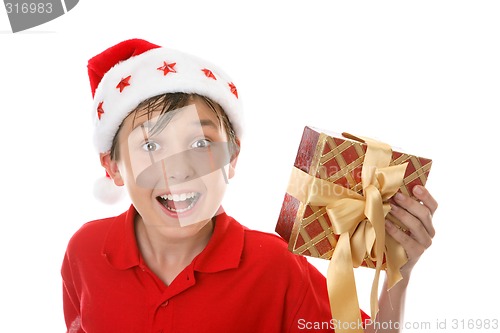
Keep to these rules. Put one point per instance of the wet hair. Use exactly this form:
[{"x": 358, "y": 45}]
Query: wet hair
[{"x": 168, "y": 104}]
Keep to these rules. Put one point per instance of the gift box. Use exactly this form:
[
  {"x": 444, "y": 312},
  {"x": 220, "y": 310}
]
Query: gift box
[
  {"x": 337, "y": 159},
  {"x": 336, "y": 205}
]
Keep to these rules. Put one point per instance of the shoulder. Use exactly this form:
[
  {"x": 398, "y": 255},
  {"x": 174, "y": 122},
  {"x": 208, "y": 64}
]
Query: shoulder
[
  {"x": 268, "y": 254},
  {"x": 91, "y": 234},
  {"x": 271, "y": 252},
  {"x": 266, "y": 243}
]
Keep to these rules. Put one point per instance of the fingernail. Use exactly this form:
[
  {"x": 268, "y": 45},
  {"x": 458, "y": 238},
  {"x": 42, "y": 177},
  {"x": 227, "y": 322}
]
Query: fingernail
[
  {"x": 399, "y": 197},
  {"x": 388, "y": 225},
  {"x": 418, "y": 190},
  {"x": 393, "y": 207}
]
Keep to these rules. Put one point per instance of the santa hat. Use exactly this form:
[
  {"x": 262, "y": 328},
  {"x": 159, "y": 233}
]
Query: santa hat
[{"x": 134, "y": 70}]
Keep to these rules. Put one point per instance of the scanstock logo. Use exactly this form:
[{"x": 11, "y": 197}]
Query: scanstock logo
[{"x": 26, "y": 14}]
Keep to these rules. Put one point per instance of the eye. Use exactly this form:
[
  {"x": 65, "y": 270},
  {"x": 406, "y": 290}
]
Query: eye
[
  {"x": 151, "y": 146},
  {"x": 203, "y": 143}
]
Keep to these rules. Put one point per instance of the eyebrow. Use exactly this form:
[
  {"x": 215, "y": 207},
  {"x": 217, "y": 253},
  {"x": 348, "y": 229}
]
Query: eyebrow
[
  {"x": 147, "y": 124},
  {"x": 203, "y": 122},
  {"x": 206, "y": 123}
]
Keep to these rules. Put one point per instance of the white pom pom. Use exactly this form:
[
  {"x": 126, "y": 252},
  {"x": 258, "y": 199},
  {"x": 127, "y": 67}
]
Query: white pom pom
[{"x": 107, "y": 192}]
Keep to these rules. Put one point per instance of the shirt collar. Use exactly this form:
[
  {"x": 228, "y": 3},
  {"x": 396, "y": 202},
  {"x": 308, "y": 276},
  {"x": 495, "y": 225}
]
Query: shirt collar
[
  {"x": 120, "y": 246},
  {"x": 222, "y": 252},
  {"x": 225, "y": 247}
]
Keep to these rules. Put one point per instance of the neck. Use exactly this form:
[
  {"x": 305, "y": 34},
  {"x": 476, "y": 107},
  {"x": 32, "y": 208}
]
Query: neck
[{"x": 168, "y": 246}]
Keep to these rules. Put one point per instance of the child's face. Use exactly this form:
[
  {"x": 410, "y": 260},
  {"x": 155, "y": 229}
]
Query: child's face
[{"x": 176, "y": 174}]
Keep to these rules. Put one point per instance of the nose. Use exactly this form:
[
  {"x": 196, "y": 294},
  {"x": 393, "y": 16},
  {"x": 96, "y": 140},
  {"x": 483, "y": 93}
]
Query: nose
[
  {"x": 178, "y": 168},
  {"x": 172, "y": 170}
]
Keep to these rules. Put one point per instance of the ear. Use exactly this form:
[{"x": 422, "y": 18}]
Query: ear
[
  {"x": 234, "y": 159},
  {"x": 111, "y": 167}
]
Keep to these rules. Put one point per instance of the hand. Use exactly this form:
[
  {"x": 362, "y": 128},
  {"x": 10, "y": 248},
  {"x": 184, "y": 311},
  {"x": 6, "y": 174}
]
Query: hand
[{"x": 416, "y": 215}]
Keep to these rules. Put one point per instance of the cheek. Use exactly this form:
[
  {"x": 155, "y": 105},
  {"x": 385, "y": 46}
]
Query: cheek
[
  {"x": 146, "y": 174},
  {"x": 138, "y": 165},
  {"x": 132, "y": 164},
  {"x": 216, "y": 182}
]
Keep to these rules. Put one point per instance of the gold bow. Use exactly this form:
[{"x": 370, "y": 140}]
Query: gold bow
[{"x": 359, "y": 220}]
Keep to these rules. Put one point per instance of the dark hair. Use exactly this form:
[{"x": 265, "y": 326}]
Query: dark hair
[{"x": 172, "y": 101}]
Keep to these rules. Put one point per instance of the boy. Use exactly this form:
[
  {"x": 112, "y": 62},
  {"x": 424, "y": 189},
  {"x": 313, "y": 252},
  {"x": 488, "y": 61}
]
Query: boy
[{"x": 167, "y": 126}]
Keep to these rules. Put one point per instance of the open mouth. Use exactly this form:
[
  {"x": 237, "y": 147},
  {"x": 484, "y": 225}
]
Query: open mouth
[{"x": 179, "y": 203}]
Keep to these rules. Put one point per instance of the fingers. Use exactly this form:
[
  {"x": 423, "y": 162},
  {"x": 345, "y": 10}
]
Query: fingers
[
  {"x": 417, "y": 228},
  {"x": 423, "y": 195},
  {"x": 413, "y": 248},
  {"x": 415, "y": 215}
]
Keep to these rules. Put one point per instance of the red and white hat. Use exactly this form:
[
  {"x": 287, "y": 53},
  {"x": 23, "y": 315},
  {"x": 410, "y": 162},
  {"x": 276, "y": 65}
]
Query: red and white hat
[{"x": 134, "y": 70}]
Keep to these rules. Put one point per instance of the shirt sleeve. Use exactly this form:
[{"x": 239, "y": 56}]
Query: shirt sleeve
[{"x": 313, "y": 314}]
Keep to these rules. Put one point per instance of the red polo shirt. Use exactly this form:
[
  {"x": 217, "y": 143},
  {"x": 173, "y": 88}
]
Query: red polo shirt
[{"x": 243, "y": 281}]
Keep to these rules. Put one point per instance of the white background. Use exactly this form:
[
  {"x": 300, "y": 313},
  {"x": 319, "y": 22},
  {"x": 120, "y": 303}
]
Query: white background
[{"x": 421, "y": 75}]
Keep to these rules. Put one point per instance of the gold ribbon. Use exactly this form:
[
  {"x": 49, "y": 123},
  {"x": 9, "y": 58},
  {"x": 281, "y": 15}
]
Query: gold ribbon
[{"x": 359, "y": 220}]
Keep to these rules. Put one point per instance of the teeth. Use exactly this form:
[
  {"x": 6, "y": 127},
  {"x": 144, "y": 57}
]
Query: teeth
[
  {"x": 181, "y": 210},
  {"x": 179, "y": 197}
]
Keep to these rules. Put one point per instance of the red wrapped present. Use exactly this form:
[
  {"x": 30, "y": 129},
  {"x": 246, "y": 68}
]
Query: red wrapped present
[{"x": 336, "y": 205}]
